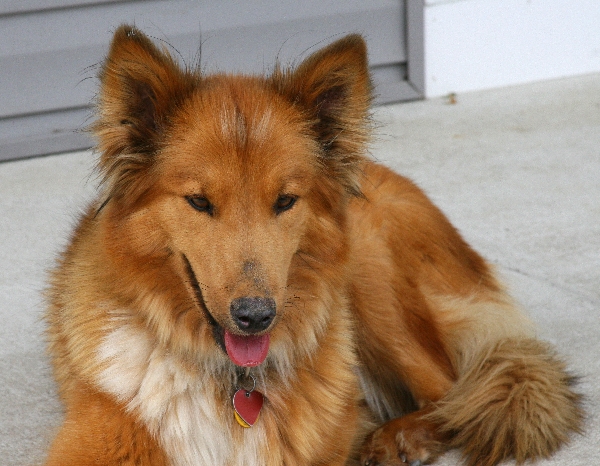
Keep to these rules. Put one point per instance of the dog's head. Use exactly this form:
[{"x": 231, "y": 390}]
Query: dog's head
[{"x": 226, "y": 195}]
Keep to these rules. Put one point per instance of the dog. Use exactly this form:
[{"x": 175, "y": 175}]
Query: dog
[{"x": 250, "y": 289}]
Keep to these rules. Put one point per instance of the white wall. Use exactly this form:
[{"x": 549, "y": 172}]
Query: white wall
[{"x": 479, "y": 44}]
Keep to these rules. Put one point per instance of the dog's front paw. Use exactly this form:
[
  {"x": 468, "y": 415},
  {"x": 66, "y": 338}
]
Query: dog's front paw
[{"x": 407, "y": 440}]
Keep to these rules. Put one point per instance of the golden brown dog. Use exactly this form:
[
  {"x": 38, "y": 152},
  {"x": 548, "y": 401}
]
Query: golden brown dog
[{"x": 249, "y": 289}]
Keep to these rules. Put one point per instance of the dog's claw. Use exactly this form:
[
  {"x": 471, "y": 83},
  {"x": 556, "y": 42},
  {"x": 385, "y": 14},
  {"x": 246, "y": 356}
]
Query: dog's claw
[
  {"x": 403, "y": 457},
  {"x": 415, "y": 463}
]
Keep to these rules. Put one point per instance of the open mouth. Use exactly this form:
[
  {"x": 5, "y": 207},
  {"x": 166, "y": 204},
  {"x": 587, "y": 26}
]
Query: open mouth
[
  {"x": 242, "y": 350},
  {"x": 246, "y": 351}
]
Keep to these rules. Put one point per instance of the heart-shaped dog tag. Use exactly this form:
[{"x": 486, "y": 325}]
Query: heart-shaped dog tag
[{"x": 247, "y": 406}]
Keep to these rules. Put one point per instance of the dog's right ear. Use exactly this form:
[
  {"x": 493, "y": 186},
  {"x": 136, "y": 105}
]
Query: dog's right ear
[
  {"x": 140, "y": 86},
  {"x": 333, "y": 86}
]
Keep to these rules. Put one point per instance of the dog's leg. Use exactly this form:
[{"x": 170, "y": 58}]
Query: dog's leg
[
  {"x": 97, "y": 431},
  {"x": 395, "y": 356},
  {"x": 511, "y": 400},
  {"x": 405, "y": 350},
  {"x": 410, "y": 439},
  {"x": 413, "y": 438}
]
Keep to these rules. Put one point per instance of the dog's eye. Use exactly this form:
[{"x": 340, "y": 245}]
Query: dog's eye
[
  {"x": 284, "y": 202},
  {"x": 201, "y": 204}
]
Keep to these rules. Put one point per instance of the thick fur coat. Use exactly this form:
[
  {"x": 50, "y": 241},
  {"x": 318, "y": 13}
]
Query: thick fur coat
[{"x": 242, "y": 240}]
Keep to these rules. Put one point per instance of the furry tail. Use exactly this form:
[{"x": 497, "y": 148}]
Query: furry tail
[{"x": 512, "y": 401}]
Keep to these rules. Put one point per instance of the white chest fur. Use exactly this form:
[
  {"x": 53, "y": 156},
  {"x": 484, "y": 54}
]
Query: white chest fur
[{"x": 175, "y": 404}]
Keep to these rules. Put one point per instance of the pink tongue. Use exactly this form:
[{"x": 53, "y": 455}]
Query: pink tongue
[{"x": 246, "y": 351}]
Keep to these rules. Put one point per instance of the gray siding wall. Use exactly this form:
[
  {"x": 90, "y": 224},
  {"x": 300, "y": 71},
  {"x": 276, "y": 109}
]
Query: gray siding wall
[{"x": 50, "y": 49}]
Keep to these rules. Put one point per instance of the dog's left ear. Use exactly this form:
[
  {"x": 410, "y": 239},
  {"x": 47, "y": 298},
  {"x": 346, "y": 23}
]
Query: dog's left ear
[
  {"x": 140, "y": 86},
  {"x": 334, "y": 86}
]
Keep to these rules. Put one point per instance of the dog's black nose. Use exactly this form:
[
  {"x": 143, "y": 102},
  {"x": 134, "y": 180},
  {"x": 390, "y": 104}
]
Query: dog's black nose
[{"x": 253, "y": 314}]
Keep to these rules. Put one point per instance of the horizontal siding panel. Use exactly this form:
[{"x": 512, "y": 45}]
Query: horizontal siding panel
[
  {"x": 29, "y": 85},
  {"x": 49, "y": 58},
  {"x": 45, "y": 58},
  {"x": 292, "y": 36},
  {"x": 49, "y": 133},
  {"x": 8, "y": 7}
]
